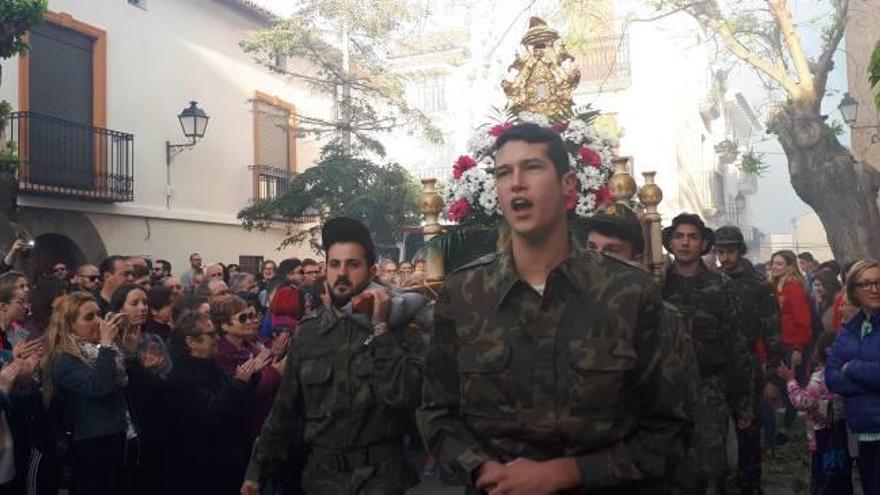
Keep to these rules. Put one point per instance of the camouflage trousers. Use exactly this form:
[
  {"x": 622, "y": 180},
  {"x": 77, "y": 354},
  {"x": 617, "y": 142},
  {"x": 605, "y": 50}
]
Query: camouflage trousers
[
  {"x": 392, "y": 477},
  {"x": 705, "y": 468}
]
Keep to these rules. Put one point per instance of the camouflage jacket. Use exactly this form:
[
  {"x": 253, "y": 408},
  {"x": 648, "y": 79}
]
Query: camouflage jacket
[
  {"x": 722, "y": 347},
  {"x": 759, "y": 309},
  {"x": 340, "y": 394},
  {"x": 580, "y": 372}
]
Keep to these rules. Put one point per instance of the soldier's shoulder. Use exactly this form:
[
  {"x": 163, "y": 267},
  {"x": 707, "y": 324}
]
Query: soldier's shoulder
[
  {"x": 482, "y": 261},
  {"x": 617, "y": 267}
]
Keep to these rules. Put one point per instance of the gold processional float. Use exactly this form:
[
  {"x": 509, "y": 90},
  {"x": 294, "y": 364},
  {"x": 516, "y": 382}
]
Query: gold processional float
[{"x": 542, "y": 85}]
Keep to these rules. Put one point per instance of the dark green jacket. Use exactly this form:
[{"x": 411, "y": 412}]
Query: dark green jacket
[
  {"x": 759, "y": 309},
  {"x": 722, "y": 346},
  {"x": 584, "y": 371},
  {"x": 338, "y": 394}
]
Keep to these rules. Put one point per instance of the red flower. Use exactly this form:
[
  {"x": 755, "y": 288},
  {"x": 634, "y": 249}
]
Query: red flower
[
  {"x": 459, "y": 209},
  {"x": 560, "y": 127},
  {"x": 499, "y": 129},
  {"x": 590, "y": 157},
  {"x": 603, "y": 196},
  {"x": 462, "y": 165}
]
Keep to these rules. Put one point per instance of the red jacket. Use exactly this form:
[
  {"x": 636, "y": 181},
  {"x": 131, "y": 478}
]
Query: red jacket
[{"x": 794, "y": 315}]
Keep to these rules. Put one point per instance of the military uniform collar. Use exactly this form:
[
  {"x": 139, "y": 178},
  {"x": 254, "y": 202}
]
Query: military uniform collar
[
  {"x": 702, "y": 271},
  {"x": 505, "y": 277},
  {"x": 327, "y": 317}
]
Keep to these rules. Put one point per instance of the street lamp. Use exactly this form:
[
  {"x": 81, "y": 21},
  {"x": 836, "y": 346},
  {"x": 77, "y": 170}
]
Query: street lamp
[
  {"x": 193, "y": 122},
  {"x": 849, "y": 109}
]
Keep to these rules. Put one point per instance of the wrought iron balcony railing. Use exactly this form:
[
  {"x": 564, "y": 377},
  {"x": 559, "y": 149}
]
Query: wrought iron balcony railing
[
  {"x": 272, "y": 182},
  {"x": 269, "y": 182},
  {"x": 68, "y": 159}
]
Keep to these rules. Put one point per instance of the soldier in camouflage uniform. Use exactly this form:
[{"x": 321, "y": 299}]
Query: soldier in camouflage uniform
[
  {"x": 348, "y": 388},
  {"x": 707, "y": 301},
  {"x": 759, "y": 314},
  {"x": 549, "y": 365}
]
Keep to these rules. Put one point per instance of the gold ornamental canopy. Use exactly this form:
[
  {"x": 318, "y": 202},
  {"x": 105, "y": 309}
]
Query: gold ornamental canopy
[{"x": 542, "y": 84}]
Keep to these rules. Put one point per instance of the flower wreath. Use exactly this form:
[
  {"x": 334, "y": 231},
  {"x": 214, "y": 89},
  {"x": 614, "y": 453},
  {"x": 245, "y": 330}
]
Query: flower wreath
[{"x": 470, "y": 193}]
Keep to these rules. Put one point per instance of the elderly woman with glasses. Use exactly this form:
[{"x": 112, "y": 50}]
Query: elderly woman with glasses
[
  {"x": 853, "y": 369},
  {"x": 238, "y": 324},
  {"x": 206, "y": 448}
]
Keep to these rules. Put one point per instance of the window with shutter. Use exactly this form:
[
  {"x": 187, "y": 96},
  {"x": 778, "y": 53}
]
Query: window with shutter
[{"x": 274, "y": 146}]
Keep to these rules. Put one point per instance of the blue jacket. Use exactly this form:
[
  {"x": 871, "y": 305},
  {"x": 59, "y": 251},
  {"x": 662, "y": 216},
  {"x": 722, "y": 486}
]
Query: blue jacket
[{"x": 860, "y": 383}]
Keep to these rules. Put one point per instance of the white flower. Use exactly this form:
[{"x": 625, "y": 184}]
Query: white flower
[
  {"x": 586, "y": 205},
  {"x": 534, "y": 118},
  {"x": 480, "y": 143}
]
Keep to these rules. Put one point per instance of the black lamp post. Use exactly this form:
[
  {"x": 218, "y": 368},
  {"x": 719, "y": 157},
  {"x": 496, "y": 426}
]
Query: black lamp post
[
  {"x": 193, "y": 121},
  {"x": 849, "y": 109}
]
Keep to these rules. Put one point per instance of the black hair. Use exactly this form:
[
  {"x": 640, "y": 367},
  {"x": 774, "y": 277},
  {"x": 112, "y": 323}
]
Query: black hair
[
  {"x": 287, "y": 266},
  {"x": 638, "y": 244},
  {"x": 309, "y": 262},
  {"x": 186, "y": 325},
  {"x": 117, "y": 300},
  {"x": 535, "y": 134},
  {"x": 188, "y": 302},
  {"x": 158, "y": 297},
  {"x": 109, "y": 264},
  {"x": 166, "y": 265},
  {"x": 275, "y": 282},
  {"x": 138, "y": 271}
]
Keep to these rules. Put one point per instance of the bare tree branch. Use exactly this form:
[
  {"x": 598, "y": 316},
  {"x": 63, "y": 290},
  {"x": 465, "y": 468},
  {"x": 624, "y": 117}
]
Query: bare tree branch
[
  {"x": 835, "y": 34},
  {"x": 711, "y": 19},
  {"x": 782, "y": 14}
]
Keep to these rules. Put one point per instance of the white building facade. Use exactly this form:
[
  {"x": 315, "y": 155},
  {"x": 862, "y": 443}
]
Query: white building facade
[{"x": 97, "y": 98}]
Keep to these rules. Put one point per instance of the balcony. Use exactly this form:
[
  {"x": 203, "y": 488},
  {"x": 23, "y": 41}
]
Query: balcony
[
  {"x": 271, "y": 183},
  {"x": 604, "y": 64},
  {"x": 67, "y": 159}
]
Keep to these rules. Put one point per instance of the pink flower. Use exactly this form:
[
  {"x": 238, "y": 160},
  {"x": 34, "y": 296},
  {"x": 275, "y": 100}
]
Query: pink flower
[
  {"x": 499, "y": 129},
  {"x": 459, "y": 209},
  {"x": 462, "y": 165},
  {"x": 559, "y": 127},
  {"x": 590, "y": 157}
]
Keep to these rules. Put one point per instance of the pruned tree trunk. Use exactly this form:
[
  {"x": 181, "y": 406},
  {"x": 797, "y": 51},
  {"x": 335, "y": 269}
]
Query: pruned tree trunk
[{"x": 825, "y": 175}]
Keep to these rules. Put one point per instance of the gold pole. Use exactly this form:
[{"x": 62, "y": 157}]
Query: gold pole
[
  {"x": 651, "y": 195},
  {"x": 431, "y": 204}
]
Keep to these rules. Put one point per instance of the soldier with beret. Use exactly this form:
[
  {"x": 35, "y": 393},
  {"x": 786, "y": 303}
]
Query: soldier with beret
[
  {"x": 352, "y": 382},
  {"x": 548, "y": 366},
  {"x": 708, "y": 303},
  {"x": 615, "y": 230},
  {"x": 759, "y": 315}
]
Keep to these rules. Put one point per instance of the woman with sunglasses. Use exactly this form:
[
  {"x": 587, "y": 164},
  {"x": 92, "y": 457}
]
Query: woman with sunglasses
[
  {"x": 239, "y": 341},
  {"x": 853, "y": 369},
  {"x": 84, "y": 380}
]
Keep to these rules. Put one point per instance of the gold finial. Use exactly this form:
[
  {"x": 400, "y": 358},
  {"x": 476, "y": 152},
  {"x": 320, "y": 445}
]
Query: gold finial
[{"x": 542, "y": 85}]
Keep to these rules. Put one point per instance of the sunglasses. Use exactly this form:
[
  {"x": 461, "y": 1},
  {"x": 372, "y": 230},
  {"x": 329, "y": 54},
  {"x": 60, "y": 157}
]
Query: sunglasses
[
  {"x": 91, "y": 278},
  {"x": 60, "y": 269},
  {"x": 251, "y": 315}
]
